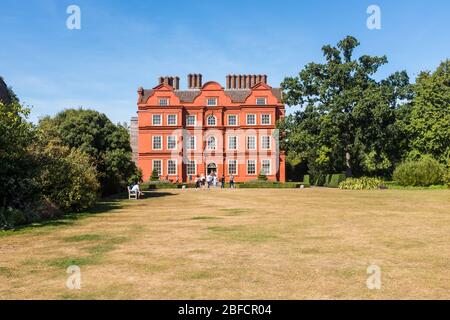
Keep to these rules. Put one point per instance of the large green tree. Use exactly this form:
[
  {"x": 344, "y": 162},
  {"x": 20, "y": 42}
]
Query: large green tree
[
  {"x": 94, "y": 134},
  {"x": 428, "y": 125},
  {"x": 345, "y": 114},
  {"x": 18, "y": 166}
]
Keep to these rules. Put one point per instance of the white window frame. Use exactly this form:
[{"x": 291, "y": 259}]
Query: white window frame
[
  {"x": 270, "y": 167},
  {"x": 195, "y": 168},
  {"x": 270, "y": 119},
  {"x": 153, "y": 120},
  {"x": 236, "y": 117},
  {"x": 211, "y": 99},
  {"x": 237, "y": 143},
  {"x": 176, "y": 119},
  {"x": 215, "y": 120},
  {"x": 256, "y": 167},
  {"x": 160, "y": 173},
  {"x": 246, "y": 119},
  {"x": 153, "y": 142},
  {"x": 188, "y": 146},
  {"x": 176, "y": 143},
  {"x": 248, "y": 144},
  {"x": 168, "y": 167},
  {"x": 236, "y": 166},
  {"x": 261, "y": 104},
  {"x": 262, "y": 142},
  {"x": 215, "y": 143},
  {"x": 162, "y": 99},
  {"x": 195, "y": 120}
]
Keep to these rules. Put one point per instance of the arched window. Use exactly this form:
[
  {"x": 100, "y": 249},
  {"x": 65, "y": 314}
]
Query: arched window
[
  {"x": 211, "y": 143},
  {"x": 211, "y": 121}
]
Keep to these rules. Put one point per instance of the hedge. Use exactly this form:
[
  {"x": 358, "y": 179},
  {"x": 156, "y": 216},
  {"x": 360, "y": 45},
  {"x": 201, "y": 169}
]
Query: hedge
[
  {"x": 273, "y": 185},
  {"x": 329, "y": 180}
]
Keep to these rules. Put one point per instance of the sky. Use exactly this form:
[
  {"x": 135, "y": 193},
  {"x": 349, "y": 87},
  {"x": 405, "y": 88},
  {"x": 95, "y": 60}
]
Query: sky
[{"x": 126, "y": 44}]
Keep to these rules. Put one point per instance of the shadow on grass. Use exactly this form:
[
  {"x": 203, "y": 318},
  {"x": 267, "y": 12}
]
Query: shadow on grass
[{"x": 104, "y": 205}]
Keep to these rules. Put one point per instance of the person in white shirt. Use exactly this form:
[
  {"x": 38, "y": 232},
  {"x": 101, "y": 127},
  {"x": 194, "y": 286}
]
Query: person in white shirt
[{"x": 137, "y": 190}]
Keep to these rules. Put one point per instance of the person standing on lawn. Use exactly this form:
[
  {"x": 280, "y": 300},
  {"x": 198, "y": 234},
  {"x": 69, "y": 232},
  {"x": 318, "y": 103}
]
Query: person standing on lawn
[
  {"x": 232, "y": 182},
  {"x": 222, "y": 181}
]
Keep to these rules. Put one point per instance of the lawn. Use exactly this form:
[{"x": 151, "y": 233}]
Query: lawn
[{"x": 239, "y": 244}]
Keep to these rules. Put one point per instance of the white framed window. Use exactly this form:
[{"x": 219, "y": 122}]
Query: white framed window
[
  {"x": 265, "y": 142},
  {"x": 251, "y": 167},
  {"x": 232, "y": 167},
  {"x": 171, "y": 142},
  {"x": 163, "y": 102},
  {"x": 232, "y": 120},
  {"x": 156, "y": 120},
  {"x": 191, "y": 143},
  {"x": 172, "y": 119},
  {"x": 261, "y": 101},
  {"x": 266, "y": 119},
  {"x": 211, "y": 102},
  {"x": 191, "y": 168},
  {"x": 191, "y": 120},
  {"x": 211, "y": 120},
  {"x": 265, "y": 167},
  {"x": 232, "y": 142},
  {"x": 251, "y": 143},
  {"x": 172, "y": 167},
  {"x": 211, "y": 143},
  {"x": 251, "y": 119},
  {"x": 157, "y": 165},
  {"x": 157, "y": 143}
]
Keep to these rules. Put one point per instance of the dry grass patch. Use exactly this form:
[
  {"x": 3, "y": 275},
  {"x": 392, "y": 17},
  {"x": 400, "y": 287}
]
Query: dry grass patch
[{"x": 239, "y": 244}]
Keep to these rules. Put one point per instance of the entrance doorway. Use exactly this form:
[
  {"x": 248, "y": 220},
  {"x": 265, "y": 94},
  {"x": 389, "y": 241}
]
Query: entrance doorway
[{"x": 211, "y": 168}]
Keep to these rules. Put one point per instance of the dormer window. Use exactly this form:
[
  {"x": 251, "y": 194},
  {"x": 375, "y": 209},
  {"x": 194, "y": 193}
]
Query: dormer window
[
  {"x": 261, "y": 101},
  {"x": 164, "y": 102},
  {"x": 211, "y": 102}
]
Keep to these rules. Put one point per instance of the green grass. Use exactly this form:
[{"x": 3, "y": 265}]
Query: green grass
[
  {"x": 205, "y": 218},
  {"x": 84, "y": 237}
]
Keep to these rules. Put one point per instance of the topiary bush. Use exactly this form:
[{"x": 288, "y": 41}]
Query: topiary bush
[
  {"x": 424, "y": 173},
  {"x": 155, "y": 175},
  {"x": 262, "y": 176},
  {"x": 364, "y": 183}
]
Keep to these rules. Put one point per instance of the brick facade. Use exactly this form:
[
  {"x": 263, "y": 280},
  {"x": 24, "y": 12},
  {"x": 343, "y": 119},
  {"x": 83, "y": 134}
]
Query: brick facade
[{"x": 232, "y": 131}]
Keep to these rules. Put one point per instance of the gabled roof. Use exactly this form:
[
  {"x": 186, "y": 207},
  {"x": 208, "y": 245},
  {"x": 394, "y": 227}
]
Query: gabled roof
[{"x": 236, "y": 95}]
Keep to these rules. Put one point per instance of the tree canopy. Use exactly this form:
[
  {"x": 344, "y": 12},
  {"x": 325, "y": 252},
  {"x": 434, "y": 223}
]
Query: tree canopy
[
  {"x": 94, "y": 134},
  {"x": 346, "y": 115},
  {"x": 428, "y": 125}
]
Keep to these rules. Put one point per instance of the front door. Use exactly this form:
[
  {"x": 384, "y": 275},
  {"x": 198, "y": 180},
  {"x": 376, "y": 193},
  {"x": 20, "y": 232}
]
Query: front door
[{"x": 211, "y": 168}]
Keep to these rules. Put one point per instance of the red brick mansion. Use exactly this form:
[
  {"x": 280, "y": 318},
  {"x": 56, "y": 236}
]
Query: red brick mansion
[{"x": 206, "y": 128}]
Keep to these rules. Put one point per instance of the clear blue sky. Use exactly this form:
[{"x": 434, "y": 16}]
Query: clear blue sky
[{"x": 126, "y": 44}]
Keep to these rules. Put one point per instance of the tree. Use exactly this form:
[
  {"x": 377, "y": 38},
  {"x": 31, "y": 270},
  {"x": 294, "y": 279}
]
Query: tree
[
  {"x": 67, "y": 176},
  {"x": 428, "y": 125},
  {"x": 345, "y": 114},
  {"x": 18, "y": 169},
  {"x": 94, "y": 134}
]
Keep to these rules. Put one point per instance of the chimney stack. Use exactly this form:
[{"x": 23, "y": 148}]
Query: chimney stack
[
  {"x": 174, "y": 82},
  {"x": 244, "y": 81},
  {"x": 194, "y": 81}
]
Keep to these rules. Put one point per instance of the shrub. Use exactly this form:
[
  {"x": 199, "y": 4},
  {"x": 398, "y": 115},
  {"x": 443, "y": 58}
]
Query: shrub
[
  {"x": 364, "y": 183},
  {"x": 333, "y": 180},
  {"x": 68, "y": 178},
  {"x": 155, "y": 175},
  {"x": 306, "y": 179},
  {"x": 424, "y": 172},
  {"x": 271, "y": 185},
  {"x": 262, "y": 176}
]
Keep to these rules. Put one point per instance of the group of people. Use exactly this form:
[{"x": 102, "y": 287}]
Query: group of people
[{"x": 212, "y": 181}]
